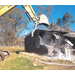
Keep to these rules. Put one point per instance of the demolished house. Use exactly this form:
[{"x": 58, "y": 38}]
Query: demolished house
[{"x": 51, "y": 43}]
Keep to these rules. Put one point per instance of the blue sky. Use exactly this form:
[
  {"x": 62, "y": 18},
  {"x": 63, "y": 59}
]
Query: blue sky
[{"x": 57, "y": 12}]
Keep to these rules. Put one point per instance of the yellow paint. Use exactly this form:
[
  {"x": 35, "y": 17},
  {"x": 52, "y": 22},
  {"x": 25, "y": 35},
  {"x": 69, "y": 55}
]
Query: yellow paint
[
  {"x": 5, "y": 8},
  {"x": 31, "y": 12},
  {"x": 28, "y": 9}
]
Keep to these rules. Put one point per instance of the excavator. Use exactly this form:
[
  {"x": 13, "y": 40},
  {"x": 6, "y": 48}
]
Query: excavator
[{"x": 41, "y": 20}]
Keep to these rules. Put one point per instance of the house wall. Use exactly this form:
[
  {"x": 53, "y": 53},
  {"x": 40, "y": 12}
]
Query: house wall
[
  {"x": 48, "y": 40},
  {"x": 30, "y": 45}
]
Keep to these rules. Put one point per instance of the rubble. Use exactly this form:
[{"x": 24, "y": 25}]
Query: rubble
[{"x": 52, "y": 43}]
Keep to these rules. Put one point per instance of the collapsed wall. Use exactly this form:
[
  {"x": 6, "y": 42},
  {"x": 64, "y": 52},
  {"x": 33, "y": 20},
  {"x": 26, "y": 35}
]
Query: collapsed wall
[{"x": 50, "y": 43}]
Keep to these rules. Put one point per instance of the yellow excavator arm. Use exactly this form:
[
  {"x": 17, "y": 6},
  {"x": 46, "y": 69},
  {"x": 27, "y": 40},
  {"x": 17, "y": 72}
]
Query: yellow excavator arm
[
  {"x": 42, "y": 19},
  {"x": 5, "y": 8},
  {"x": 28, "y": 10}
]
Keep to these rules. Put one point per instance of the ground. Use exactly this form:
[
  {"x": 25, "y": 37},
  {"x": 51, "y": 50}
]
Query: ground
[{"x": 18, "y": 60}]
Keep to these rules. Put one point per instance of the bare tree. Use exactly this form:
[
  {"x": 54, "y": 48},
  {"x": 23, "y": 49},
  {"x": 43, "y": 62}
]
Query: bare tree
[
  {"x": 66, "y": 21},
  {"x": 40, "y": 9},
  {"x": 48, "y": 11}
]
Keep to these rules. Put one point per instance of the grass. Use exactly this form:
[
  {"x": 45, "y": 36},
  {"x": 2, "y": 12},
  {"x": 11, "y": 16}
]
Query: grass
[
  {"x": 16, "y": 62},
  {"x": 12, "y": 48}
]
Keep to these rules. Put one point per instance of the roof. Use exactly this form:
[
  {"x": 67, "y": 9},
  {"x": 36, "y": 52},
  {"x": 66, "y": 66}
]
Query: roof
[
  {"x": 70, "y": 34},
  {"x": 65, "y": 33}
]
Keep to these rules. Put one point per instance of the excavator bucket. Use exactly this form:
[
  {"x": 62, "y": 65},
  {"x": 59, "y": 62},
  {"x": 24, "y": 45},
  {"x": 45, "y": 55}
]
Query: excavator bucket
[{"x": 43, "y": 20}]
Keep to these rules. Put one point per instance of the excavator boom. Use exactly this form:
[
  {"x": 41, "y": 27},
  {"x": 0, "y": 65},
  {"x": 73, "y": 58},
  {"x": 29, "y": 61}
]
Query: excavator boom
[
  {"x": 5, "y": 8},
  {"x": 42, "y": 19},
  {"x": 29, "y": 12}
]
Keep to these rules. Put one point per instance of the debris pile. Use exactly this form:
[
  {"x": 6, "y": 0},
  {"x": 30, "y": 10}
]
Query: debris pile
[{"x": 60, "y": 44}]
